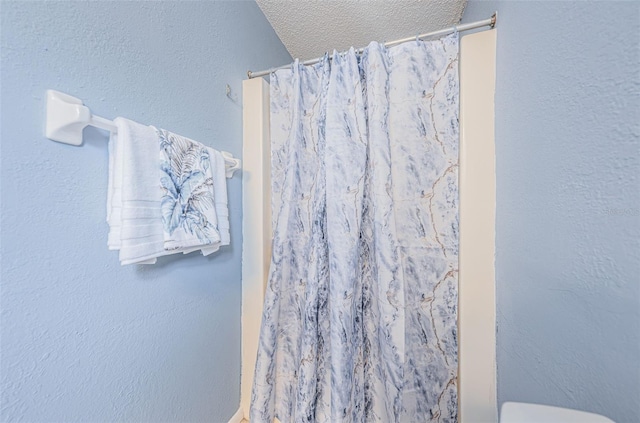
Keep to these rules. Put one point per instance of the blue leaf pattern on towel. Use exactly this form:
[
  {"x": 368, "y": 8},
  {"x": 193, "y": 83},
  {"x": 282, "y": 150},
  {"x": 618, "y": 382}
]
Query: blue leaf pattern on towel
[{"x": 187, "y": 187}]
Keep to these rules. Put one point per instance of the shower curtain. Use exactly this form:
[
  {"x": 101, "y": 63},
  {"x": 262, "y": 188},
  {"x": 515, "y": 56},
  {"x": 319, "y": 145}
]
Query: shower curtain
[{"x": 360, "y": 314}]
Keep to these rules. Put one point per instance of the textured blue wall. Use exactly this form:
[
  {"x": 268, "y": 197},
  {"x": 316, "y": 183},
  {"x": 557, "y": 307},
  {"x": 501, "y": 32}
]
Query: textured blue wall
[
  {"x": 568, "y": 203},
  {"x": 84, "y": 339}
]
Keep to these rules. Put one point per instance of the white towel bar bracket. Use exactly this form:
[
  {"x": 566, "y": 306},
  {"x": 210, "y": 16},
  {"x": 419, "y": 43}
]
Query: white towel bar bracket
[{"x": 67, "y": 117}]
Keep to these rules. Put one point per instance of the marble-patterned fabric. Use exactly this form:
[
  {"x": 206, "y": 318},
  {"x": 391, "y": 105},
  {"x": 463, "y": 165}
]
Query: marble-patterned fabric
[{"x": 360, "y": 315}]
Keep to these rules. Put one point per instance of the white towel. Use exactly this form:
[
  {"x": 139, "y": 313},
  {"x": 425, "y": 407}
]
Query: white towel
[
  {"x": 220, "y": 190},
  {"x": 114, "y": 192},
  {"x": 140, "y": 191}
]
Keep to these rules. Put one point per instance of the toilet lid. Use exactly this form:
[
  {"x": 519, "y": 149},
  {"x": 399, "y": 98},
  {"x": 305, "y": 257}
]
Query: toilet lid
[{"x": 520, "y": 412}]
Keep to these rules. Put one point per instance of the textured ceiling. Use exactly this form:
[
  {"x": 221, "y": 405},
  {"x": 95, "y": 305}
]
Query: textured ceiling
[{"x": 310, "y": 28}]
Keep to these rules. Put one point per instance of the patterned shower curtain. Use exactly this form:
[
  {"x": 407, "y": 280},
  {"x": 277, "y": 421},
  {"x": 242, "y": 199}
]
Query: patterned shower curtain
[{"x": 360, "y": 315}]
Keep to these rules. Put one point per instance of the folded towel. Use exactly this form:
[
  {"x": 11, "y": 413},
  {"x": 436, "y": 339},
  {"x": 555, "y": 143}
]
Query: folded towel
[
  {"x": 114, "y": 192},
  {"x": 167, "y": 194},
  {"x": 220, "y": 196},
  {"x": 188, "y": 204},
  {"x": 137, "y": 145},
  {"x": 220, "y": 189}
]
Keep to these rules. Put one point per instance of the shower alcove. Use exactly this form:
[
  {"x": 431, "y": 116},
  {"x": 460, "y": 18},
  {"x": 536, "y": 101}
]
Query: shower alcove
[{"x": 476, "y": 305}]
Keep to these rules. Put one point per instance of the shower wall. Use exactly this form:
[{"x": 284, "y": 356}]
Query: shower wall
[
  {"x": 568, "y": 203},
  {"x": 82, "y": 338}
]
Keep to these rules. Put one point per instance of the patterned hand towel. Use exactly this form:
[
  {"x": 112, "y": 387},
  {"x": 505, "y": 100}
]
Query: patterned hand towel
[{"x": 188, "y": 203}]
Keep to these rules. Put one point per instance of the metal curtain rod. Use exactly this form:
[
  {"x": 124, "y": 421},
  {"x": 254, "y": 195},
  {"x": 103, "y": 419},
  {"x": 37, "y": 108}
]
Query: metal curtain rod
[{"x": 464, "y": 27}]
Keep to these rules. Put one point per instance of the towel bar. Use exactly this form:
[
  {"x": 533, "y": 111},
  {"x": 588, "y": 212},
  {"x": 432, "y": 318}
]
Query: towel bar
[{"x": 67, "y": 117}]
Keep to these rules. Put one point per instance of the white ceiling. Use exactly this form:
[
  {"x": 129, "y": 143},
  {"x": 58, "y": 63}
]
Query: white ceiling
[{"x": 309, "y": 28}]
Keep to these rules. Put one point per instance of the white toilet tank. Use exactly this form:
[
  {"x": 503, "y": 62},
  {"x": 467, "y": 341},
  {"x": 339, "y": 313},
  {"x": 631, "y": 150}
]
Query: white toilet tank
[{"x": 520, "y": 412}]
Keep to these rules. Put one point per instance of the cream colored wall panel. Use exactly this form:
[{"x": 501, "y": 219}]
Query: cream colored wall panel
[
  {"x": 477, "y": 308},
  {"x": 256, "y": 223}
]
